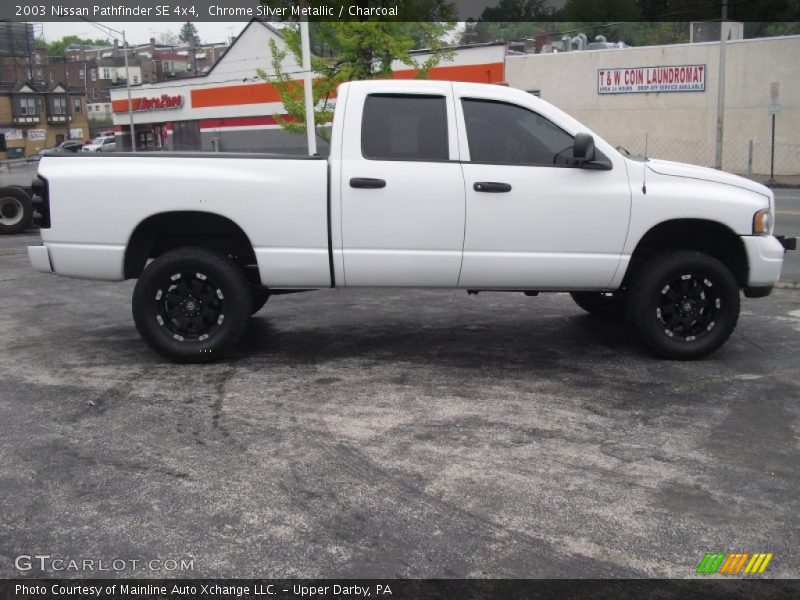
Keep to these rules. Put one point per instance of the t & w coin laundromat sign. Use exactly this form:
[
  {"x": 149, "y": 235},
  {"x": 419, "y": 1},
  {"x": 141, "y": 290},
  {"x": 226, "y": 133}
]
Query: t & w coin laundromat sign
[{"x": 637, "y": 80}]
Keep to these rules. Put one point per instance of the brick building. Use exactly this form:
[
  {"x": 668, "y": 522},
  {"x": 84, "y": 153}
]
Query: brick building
[{"x": 38, "y": 115}]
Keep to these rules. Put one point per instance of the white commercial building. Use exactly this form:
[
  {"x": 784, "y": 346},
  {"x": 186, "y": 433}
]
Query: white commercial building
[
  {"x": 230, "y": 108},
  {"x": 669, "y": 95}
]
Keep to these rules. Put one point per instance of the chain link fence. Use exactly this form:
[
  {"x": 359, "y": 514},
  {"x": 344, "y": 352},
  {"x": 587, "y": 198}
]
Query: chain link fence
[{"x": 738, "y": 156}]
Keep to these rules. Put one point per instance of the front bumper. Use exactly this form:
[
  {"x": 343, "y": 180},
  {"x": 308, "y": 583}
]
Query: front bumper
[
  {"x": 764, "y": 259},
  {"x": 40, "y": 258},
  {"x": 787, "y": 241}
]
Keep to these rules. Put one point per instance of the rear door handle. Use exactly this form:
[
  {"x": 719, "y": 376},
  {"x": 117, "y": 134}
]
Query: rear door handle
[
  {"x": 367, "y": 182},
  {"x": 492, "y": 187}
]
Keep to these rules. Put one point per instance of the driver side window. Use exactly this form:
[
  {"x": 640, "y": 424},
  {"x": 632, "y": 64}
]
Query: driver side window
[{"x": 500, "y": 133}]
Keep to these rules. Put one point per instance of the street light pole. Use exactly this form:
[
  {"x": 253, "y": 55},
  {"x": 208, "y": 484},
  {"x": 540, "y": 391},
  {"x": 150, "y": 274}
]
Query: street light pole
[
  {"x": 723, "y": 34},
  {"x": 128, "y": 85},
  {"x": 307, "y": 83}
]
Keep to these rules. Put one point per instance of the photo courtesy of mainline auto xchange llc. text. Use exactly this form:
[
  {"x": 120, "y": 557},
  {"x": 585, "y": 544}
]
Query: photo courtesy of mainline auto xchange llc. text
[{"x": 410, "y": 307}]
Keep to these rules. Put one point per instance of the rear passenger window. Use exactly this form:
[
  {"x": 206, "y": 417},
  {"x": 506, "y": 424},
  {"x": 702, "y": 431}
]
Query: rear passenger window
[{"x": 403, "y": 127}]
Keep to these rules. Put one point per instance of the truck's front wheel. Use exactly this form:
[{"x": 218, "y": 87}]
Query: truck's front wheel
[
  {"x": 191, "y": 305},
  {"x": 684, "y": 304}
]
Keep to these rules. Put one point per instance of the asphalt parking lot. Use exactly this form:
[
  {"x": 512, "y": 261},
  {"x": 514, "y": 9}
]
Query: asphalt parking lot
[{"x": 391, "y": 434}]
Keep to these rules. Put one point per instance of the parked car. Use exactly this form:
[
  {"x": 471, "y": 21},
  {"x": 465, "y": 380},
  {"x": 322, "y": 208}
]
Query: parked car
[
  {"x": 429, "y": 184},
  {"x": 106, "y": 143},
  {"x": 70, "y": 146},
  {"x": 41, "y": 152}
]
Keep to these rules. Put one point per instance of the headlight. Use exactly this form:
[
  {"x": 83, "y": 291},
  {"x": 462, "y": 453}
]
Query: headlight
[{"x": 762, "y": 222}]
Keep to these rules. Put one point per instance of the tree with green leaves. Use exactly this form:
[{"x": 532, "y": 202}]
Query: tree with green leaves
[
  {"x": 188, "y": 34},
  {"x": 57, "y": 48},
  {"x": 346, "y": 51}
]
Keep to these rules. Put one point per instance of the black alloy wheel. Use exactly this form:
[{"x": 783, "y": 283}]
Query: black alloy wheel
[
  {"x": 688, "y": 306},
  {"x": 684, "y": 304},
  {"x": 192, "y": 305}
]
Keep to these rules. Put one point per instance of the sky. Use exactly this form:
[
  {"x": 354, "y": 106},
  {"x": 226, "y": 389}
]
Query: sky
[{"x": 140, "y": 33}]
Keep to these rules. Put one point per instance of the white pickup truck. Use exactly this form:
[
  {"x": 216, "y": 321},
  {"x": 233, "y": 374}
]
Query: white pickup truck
[{"x": 428, "y": 184}]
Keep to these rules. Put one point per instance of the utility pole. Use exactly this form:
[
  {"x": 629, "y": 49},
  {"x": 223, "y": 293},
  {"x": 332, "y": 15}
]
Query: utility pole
[
  {"x": 106, "y": 29},
  {"x": 723, "y": 35},
  {"x": 128, "y": 85},
  {"x": 67, "y": 99},
  {"x": 305, "y": 44}
]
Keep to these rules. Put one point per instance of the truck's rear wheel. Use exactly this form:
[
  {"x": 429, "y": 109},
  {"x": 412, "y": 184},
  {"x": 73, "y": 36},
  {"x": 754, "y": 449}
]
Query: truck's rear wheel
[
  {"x": 605, "y": 305},
  {"x": 191, "y": 305},
  {"x": 16, "y": 210},
  {"x": 684, "y": 304}
]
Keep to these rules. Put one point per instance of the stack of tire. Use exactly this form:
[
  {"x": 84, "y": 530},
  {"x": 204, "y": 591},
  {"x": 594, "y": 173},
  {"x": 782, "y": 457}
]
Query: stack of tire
[{"x": 16, "y": 210}]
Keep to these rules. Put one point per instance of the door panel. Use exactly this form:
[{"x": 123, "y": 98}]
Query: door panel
[
  {"x": 558, "y": 228},
  {"x": 534, "y": 219},
  {"x": 408, "y": 233},
  {"x": 402, "y": 195}
]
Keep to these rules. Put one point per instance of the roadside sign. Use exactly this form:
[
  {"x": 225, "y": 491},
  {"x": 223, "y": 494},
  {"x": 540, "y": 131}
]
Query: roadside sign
[{"x": 774, "y": 109}]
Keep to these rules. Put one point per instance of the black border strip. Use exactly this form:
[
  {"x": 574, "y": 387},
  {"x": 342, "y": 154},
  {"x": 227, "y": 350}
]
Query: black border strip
[{"x": 750, "y": 588}]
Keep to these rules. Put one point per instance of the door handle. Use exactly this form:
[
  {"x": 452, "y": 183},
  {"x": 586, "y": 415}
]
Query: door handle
[
  {"x": 367, "y": 182},
  {"x": 492, "y": 187}
]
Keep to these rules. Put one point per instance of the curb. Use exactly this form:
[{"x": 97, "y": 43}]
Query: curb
[
  {"x": 787, "y": 285},
  {"x": 782, "y": 186}
]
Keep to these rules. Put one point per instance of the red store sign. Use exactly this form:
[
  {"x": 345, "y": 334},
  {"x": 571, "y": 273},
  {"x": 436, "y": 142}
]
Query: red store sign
[
  {"x": 165, "y": 102},
  {"x": 636, "y": 80}
]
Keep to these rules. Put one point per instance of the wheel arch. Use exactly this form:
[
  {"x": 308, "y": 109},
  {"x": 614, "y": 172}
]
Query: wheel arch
[
  {"x": 703, "y": 235},
  {"x": 165, "y": 231}
]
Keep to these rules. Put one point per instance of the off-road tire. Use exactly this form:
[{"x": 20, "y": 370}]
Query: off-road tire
[
  {"x": 192, "y": 305},
  {"x": 684, "y": 304},
  {"x": 16, "y": 210}
]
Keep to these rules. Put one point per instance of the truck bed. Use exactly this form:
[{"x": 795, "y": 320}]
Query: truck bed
[{"x": 279, "y": 201}]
